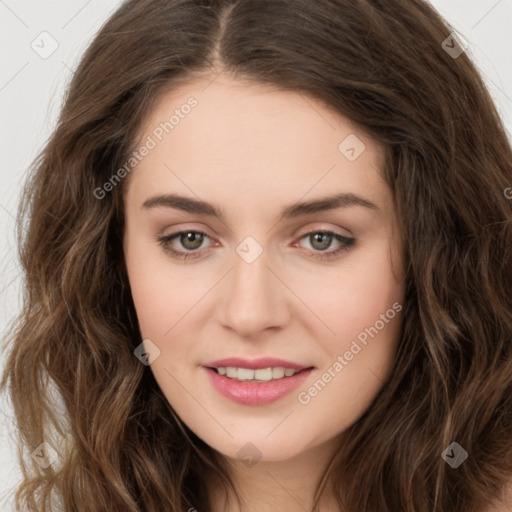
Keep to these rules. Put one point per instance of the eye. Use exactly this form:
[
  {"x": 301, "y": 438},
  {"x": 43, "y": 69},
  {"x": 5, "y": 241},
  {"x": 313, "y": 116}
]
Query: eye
[
  {"x": 192, "y": 240},
  {"x": 321, "y": 240}
]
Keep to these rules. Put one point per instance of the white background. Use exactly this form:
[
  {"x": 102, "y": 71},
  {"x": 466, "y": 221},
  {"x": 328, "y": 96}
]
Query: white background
[{"x": 31, "y": 90}]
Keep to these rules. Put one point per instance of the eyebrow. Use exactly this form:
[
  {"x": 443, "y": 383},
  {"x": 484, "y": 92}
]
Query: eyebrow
[{"x": 196, "y": 206}]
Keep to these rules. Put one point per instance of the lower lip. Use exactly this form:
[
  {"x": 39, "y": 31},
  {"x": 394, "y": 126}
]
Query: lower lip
[{"x": 256, "y": 393}]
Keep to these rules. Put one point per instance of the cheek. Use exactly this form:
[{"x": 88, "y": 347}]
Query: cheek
[
  {"x": 362, "y": 307},
  {"x": 354, "y": 295},
  {"x": 162, "y": 292}
]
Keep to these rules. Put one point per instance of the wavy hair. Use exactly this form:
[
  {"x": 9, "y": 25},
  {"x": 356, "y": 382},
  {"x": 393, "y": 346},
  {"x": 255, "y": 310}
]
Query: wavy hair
[{"x": 71, "y": 373}]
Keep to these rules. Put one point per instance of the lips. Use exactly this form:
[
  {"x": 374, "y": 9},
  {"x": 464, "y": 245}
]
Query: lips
[
  {"x": 255, "y": 364},
  {"x": 256, "y": 393},
  {"x": 251, "y": 392}
]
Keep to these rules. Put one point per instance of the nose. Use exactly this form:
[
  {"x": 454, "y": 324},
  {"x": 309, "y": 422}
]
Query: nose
[{"x": 253, "y": 298}]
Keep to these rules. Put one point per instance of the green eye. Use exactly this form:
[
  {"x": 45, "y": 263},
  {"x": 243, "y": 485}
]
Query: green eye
[{"x": 321, "y": 240}]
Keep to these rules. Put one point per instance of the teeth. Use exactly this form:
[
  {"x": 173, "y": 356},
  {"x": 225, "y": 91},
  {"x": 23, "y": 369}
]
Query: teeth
[
  {"x": 231, "y": 372},
  {"x": 280, "y": 372},
  {"x": 262, "y": 374}
]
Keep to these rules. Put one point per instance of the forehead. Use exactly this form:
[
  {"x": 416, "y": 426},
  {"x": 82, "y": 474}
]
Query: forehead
[{"x": 252, "y": 141}]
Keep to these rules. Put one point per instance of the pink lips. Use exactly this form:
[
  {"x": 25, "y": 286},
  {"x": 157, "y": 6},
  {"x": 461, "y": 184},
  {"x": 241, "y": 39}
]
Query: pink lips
[{"x": 255, "y": 393}]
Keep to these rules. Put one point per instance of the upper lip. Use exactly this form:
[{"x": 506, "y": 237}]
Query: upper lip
[{"x": 255, "y": 364}]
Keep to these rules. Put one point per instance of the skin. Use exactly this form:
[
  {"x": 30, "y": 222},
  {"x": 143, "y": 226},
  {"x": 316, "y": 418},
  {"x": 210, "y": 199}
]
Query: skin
[{"x": 252, "y": 151}]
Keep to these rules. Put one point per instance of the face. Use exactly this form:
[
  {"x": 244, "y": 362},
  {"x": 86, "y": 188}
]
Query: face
[{"x": 226, "y": 260}]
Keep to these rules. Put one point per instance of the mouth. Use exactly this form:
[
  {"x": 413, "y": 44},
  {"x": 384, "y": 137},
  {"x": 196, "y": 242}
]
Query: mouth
[{"x": 256, "y": 386}]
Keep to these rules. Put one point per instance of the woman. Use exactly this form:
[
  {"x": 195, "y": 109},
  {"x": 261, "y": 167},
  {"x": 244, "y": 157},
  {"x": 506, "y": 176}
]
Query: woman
[{"x": 268, "y": 266}]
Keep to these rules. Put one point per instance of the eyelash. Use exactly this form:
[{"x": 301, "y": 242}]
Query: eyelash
[{"x": 346, "y": 243}]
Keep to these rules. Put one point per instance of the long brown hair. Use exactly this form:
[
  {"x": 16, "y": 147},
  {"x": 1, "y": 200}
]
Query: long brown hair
[{"x": 385, "y": 65}]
